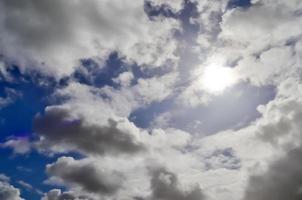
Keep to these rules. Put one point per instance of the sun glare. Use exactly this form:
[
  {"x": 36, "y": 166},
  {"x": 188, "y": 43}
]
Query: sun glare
[{"x": 216, "y": 79}]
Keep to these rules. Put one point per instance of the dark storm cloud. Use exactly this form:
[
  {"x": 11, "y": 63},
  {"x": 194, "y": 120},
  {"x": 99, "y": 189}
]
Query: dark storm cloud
[
  {"x": 57, "y": 128},
  {"x": 165, "y": 186},
  {"x": 282, "y": 181},
  {"x": 86, "y": 175}
]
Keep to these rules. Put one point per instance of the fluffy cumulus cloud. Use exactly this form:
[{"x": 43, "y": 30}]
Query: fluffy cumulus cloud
[
  {"x": 9, "y": 192},
  {"x": 52, "y": 36}
]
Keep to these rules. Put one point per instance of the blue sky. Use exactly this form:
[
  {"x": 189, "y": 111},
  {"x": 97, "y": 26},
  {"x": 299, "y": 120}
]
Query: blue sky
[{"x": 145, "y": 99}]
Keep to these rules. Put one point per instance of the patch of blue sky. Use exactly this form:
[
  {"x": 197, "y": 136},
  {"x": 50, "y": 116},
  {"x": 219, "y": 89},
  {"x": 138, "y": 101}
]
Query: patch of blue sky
[
  {"x": 16, "y": 121},
  {"x": 143, "y": 117},
  {"x": 238, "y": 3},
  {"x": 234, "y": 109},
  {"x": 16, "y": 118},
  {"x": 91, "y": 73}
]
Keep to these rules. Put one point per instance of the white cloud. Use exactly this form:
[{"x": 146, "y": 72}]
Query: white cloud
[
  {"x": 124, "y": 79},
  {"x": 52, "y": 36},
  {"x": 18, "y": 145},
  {"x": 271, "y": 67}
]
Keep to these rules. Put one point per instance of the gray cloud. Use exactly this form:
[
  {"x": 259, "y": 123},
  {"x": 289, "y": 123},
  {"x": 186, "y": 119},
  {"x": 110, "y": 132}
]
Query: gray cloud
[
  {"x": 86, "y": 175},
  {"x": 165, "y": 186},
  {"x": 57, "y": 127},
  {"x": 281, "y": 122},
  {"x": 9, "y": 192},
  {"x": 222, "y": 158},
  {"x": 56, "y": 194},
  {"x": 283, "y": 179}
]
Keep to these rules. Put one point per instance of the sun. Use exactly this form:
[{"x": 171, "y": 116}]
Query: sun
[{"x": 215, "y": 79}]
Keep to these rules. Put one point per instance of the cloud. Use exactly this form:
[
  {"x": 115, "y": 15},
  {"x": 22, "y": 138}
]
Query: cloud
[
  {"x": 260, "y": 43},
  {"x": 222, "y": 158},
  {"x": 52, "y": 36},
  {"x": 25, "y": 185},
  {"x": 262, "y": 40},
  {"x": 124, "y": 176},
  {"x": 280, "y": 126},
  {"x": 4, "y": 178},
  {"x": 9, "y": 192},
  {"x": 4, "y": 73},
  {"x": 282, "y": 180},
  {"x": 57, "y": 194},
  {"x": 58, "y": 127},
  {"x": 262, "y": 24},
  {"x": 165, "y": 185},
  {"x": 124, "y": 79},
  {"x": 273, "y": 64},
  {"x": 18, "y": 145},
  {"x": 280, "y": 123},
  {"x": 84, "y": 174}
]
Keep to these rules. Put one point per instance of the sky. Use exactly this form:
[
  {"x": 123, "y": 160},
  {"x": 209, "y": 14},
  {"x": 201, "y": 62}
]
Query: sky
[{"x": 150, "y": 100}]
